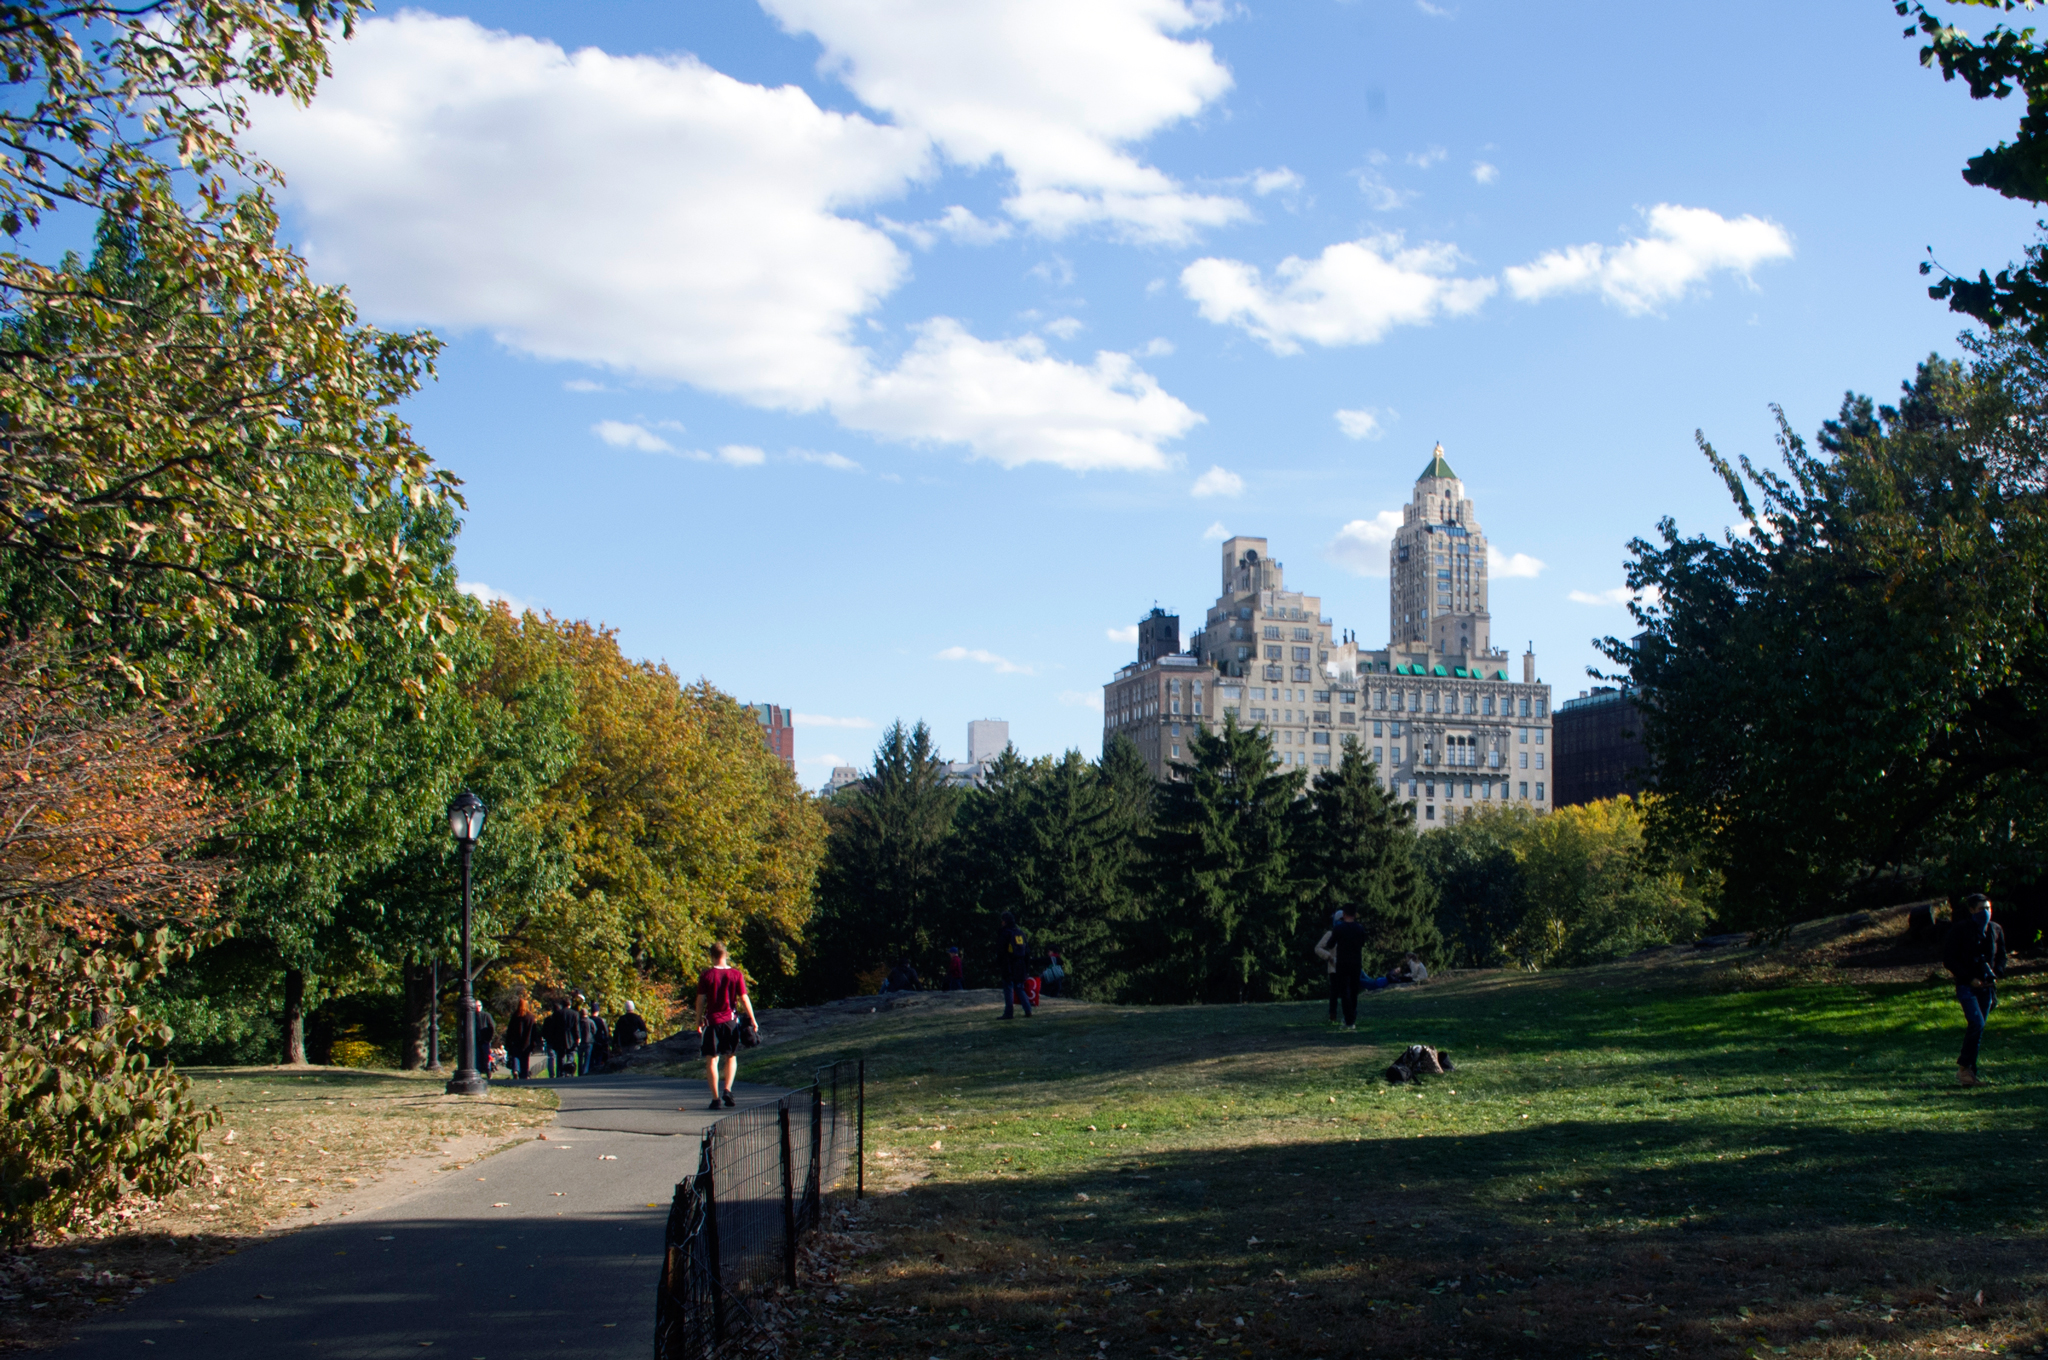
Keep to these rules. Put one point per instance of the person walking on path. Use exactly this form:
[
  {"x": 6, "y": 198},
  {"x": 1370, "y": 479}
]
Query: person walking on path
[
  {"x": 521, "y": 1036},
  {"x": 486, "y": 1035},
  {"x": 1329, "y": 957},
  {"x": 630, "y": 1030},
  {"x": 601, "y": 1039},
  {"x": 554, "y": 1035},
  {"x": 582, "y": 1034},
  {"x": 721, "y": 996},
  {"x": 1016, "y": 961},
  {"x": 955, "y": 979},
  {"x": 1975, "y": 958},
  {"x": 1347, "y": 942}
]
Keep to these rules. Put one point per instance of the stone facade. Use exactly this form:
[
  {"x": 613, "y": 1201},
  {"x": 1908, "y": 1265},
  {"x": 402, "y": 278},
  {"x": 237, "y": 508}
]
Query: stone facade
[{"x": 1435, "y": 709}]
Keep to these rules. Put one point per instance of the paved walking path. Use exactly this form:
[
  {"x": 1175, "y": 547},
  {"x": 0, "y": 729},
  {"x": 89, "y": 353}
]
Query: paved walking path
[{"x": 550, "y": 1249}]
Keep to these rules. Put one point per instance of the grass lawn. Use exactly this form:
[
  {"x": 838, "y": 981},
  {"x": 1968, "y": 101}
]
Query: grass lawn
[
  {"x": 1626, "y": 1161},
  {"x": 290, "y": 1138}
]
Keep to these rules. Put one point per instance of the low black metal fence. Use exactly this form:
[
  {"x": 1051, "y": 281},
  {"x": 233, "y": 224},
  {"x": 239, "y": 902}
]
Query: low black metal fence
[{"x": 761, "y": 1180}]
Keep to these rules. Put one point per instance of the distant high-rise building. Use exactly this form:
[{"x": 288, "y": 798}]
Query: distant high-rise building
[
  {"x": 1600, "y": 751},
  {"x": 986, "y": 738},
  {"x": 777, "y": 731},
  {"x": 1435, "y": 709},
  {"x": 843, "y": 776}
]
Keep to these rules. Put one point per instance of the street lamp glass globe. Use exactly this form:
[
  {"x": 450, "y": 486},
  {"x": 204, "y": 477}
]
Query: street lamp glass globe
[{"x": 466, "y": 817}]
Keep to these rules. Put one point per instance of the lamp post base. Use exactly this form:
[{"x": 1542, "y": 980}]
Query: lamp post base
[{"x": 468, "y": 1082}]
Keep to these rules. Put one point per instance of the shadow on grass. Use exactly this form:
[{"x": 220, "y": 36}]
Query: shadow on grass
[{"x": 1568, "y": 1240}]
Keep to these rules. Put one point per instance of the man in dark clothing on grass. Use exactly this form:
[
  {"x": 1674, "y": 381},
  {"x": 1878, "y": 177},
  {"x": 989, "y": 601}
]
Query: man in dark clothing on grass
[
  {"x": 1974, "y": 957},
  {"x": 1016, "y": 961},
  {"x": 1347, "y": 942}
]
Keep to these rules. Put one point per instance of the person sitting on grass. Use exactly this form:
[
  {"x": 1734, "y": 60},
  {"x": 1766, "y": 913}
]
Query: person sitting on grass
[
  {"x": 1410, "y": 970},
  {"x": 902, "y": 978}
]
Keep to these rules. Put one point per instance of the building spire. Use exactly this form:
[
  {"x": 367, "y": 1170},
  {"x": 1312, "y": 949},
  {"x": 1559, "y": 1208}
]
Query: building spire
[{"x": 1437, "y": 466}]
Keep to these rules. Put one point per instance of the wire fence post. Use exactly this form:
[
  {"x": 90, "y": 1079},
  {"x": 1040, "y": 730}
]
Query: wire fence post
[
  {"x": 707, "y": 1179},
  {"x": 788, "y": 1197},
  {"x": 860, "y": 1135},
  {"x": 814, "y": 1190}
]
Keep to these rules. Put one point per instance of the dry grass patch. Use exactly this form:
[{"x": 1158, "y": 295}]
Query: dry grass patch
[{"x": 291, "y": 1141}]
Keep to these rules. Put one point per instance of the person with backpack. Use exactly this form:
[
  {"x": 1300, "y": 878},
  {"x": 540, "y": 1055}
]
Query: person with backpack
[
  {"x": 1015, "y": 952},
  {"x": 1347, "y": 946},
  {"x": 721, "y": 996},
  {"x": 1975, "y": 957},
  {"x": 1055, "y": 975}
]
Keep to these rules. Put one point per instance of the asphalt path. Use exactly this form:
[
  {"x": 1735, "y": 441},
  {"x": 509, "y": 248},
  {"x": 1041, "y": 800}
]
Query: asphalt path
[{"x": 551, "y": 1248}]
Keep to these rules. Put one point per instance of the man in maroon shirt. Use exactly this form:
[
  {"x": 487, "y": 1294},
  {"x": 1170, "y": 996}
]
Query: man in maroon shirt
[{"x": 721, "y": 996}]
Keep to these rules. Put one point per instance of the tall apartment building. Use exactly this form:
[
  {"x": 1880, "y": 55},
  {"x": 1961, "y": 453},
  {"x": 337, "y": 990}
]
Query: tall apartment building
[
  {"x": 986, "y": 738},
  {"x": 777, "y": 731},
  {"x": 1435, "y": 709},
  {"x": 1600, "y": 751}
]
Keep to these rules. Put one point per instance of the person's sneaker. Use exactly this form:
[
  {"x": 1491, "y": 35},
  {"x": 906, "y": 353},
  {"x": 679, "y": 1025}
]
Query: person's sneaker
[
  {"x": 714, "y": 1103},
  {"x": 1350, "y": 1029},
  {"x": 1965, "y": 1076},
  {"x": 729, "y": 1101}
]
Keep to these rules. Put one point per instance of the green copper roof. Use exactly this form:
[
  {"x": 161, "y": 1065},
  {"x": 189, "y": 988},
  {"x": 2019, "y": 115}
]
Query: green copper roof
[{"x": 1437, "y": 466}]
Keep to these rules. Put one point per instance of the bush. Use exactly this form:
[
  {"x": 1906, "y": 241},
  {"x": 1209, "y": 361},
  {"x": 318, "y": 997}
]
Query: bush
[{"x": 84, "y": 1117}]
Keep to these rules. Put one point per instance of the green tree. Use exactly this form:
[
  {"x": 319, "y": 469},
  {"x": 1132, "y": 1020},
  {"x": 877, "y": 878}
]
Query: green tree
[
  {"x": 1225, "y": 908},
  {"x": 1854, "y": 684},
  {"x": 1355, "y": 843},
  {"x": 883, "y": 891},
  {"x": 1481, "y": 896}
]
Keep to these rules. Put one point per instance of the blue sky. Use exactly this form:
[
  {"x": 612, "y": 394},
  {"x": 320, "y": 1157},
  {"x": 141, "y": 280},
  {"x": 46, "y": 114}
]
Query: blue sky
[{"x": 887, "y": 358}]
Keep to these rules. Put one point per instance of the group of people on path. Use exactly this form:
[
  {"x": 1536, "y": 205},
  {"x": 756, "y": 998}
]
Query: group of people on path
[
  {"x": 1342, "y": 950},
  {"x": 571, "y": 1033}
]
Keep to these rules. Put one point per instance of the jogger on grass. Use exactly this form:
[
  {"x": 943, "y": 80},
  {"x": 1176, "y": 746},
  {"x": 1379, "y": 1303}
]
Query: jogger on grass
[
  {"x": 721, "y": 995},
  {"x": 1974, "y": 956}
]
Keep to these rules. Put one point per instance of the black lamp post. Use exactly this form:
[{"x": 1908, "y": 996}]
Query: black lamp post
[{"x": 466, "y": 820}]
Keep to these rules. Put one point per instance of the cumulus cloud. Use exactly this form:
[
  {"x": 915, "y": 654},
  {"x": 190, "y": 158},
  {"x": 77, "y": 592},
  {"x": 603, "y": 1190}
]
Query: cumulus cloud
[
  {"x": 1002, "y": 665},
  {"x": 838, "y": 462},
  {"x": 1215, "y": 533},
  {"x": 822, "y": 720},
  {"x": 655, "y": 217},
  {"x": 742, "y": 455},
  {"x": 1275, "y": 181},
  {"x": 584, "y": 385},
  {"x": 1681, "y": 248},
  {"x": 1155, "y": 347},
  {"x": 621, "y": 434},
  {"x": 1127, "y": 634},
  {"x": 1360, "y": 424},
  {"x": 1217, "y": 482},
  {"x": 1618, "y": 595},
  {"x": 1361, "y": 546},
  {"x": 1065, "y": 327},
  {"x": 1482, "y": 173},
  {"x": 1351, "y": 294},
  {"x": 1082, "y": 698},
  {"x": 477, "y": 590},
  {"x": 1500, "y": 564},
  {"x": 1057, "y": 90},
  {"x": 1422, "y": 160}
]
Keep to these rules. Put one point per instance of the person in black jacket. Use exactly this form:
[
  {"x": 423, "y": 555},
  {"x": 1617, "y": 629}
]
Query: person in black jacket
[
  {"x": 1015, "y": 951},
  {"x": 1975, "y": 957},
  {"x": 554, "y": 1033},
  {"x": 630, "y": 1030},
  {"x": 1347, "y": 946}
]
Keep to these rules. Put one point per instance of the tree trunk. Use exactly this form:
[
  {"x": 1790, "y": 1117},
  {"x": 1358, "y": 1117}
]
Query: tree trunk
[
  {"x": 419, "y": 1014},
  {"x": 295, "y": 1017}
]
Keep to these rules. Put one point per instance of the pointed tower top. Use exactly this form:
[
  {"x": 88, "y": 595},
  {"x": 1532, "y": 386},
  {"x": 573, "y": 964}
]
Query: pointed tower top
[{"x": 1437, "y": 466}]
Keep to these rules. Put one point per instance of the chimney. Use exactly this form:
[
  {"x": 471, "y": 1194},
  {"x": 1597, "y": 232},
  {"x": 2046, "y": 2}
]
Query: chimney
[{"x": 1529, "y": 665}]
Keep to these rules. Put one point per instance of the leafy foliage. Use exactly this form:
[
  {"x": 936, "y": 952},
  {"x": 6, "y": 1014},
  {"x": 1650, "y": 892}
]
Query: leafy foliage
[
  {"x": 1853, "y": 684},
  {"x": 1356, "y": 845}
]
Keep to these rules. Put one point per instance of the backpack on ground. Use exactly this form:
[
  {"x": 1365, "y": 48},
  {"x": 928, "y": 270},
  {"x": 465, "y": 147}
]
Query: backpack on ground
[{"x": 1418, "y": 1062}]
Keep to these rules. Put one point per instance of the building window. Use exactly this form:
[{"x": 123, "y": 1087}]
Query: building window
[
  {"x": 1429, "y": 788},
  {"x": 1539, "y": 790},
  {"x": 1347, "y": 717},
  {"x": 1376, "y": 758},
  {"x": 1301, "y": 654},
  {"x": 1489, "y": 705},
  {"x": 1432, "y": 701},
  {"x": 1525, "y": 736},
  {"x": 1272, "y": 633},
  {"x": 1539, "y": 760},
  {"x": 1468, "y": 788},
  {"x": 1319, "y": 738},
  {"x": 1539, "y": 736},
  {"x": 1258, "y": 715},
  {"x": 1303, "y": 635},
  {"x": 1486, "y": 789},
  {"x": 1428, "y": 814},
  {"x": 1470, "y": 706},
  {"x": 1539, "y": 707},
  {"x": 1525, "y": 708},
  {"x": 1323, "y": 758},
  {"x": 1376, "y": 730},
  {"x": 1393, "y": 729},
  {"x": 1176, "y": 705},
  {"x": 1397, "y": 755},
  {"x": 1493, "y": 760},
  {"x": 1525, "y": 788},
  {"x": 1272, "y": 654},
  {"x": 1322, "y": 696},
  {"x": 1198, "y": 708},
  {"x": 1176, "y": 729},
  {"x": 1347, "y": 698},
  {"x": 1525, "y": 760},
  {"x": 1411, "y": 784},
  {"x": 1176, "y": 753}
]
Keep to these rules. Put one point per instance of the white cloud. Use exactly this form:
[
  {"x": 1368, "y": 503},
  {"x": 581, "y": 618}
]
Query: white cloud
[
  {"x": 1682, "y": 247},
  {"x": 584, "y": 385},
  {"x": 1424, "y": 159},
  {"x": 1500, "y": 564},
  {"x": 1065, "y": 327},
  {"x": 1352, "y": 294},
  {"x": 822, "y": 720},
  {"x": 1360, "y": 424},
  {"x": 1435, "y": 11},
  {"x": 838, "y": 462},
  {"x": 622, "y": 434},
  {"x": 655, "y": 217},
  {"x": 742, "y": 455},
  {"x": 1217, "y": 482},
  {"x": 1055, "y": 89},
  {"x": 477, "y": 590},
  {"x": 1082, "y": 698},
  {"x": 1155, "y": 347},
  {"x": 969, "y": 230},
  {"x": 1383, "y": 196},
  {"x": 1128, "y": 634},
  {"x": 1011, "y": 403},
  {"x": 1618, "y": 595},
  {"x": 1215, "y": 533},
  {"x": 1002, "y": 665},
  {"x": 1361, "y": 546},
  {"x": 1482, "y": 173},
  {"x": 1275, "y": 181}
]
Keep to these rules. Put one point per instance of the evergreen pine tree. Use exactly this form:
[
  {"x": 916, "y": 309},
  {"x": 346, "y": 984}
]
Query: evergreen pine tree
[
  {"x": 1225, "y": 910},
  {"x": 1356, "y": 844}
]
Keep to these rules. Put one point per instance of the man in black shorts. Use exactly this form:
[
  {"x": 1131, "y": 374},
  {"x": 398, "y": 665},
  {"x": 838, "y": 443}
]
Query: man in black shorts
[
  {"x": 1347, "y": 943},
  {"x": 721, "y": 996}
]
